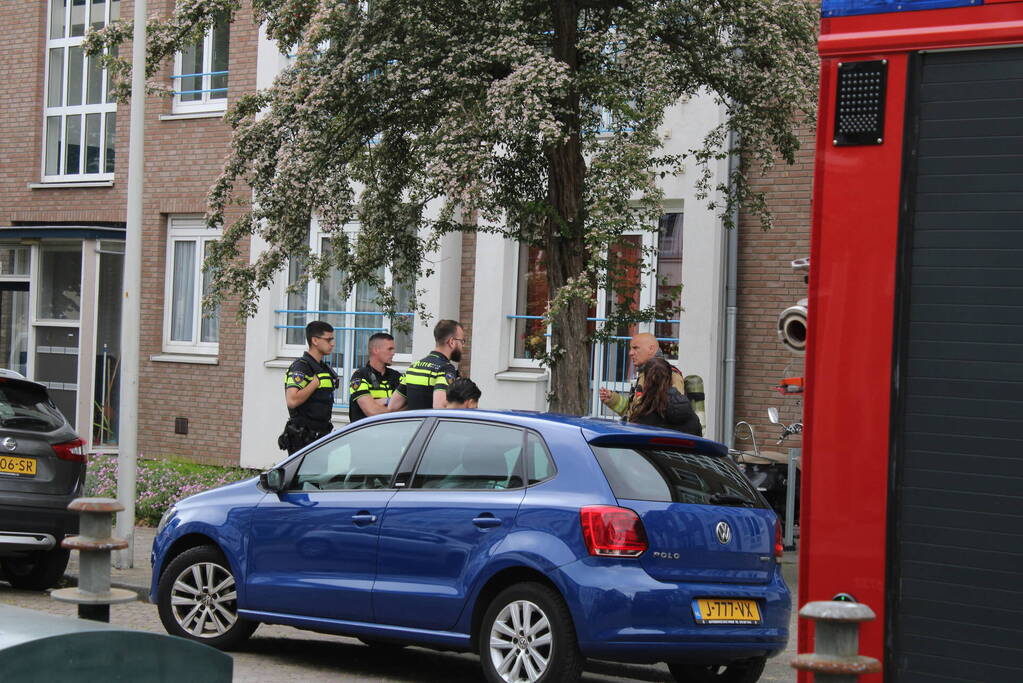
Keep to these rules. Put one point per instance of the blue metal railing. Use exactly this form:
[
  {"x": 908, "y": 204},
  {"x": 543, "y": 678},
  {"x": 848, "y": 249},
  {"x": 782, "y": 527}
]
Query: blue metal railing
[{"x": 199, "y": 75}]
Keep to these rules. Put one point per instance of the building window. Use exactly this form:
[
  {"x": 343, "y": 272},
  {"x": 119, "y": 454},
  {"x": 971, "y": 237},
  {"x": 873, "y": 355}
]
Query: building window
[
  {"x": 200, "y": 73},
  {"x": 638, "y": 292},
  {"x": 355, "y": 317},
  {"x": 669, "y": 283},
  {"x": 189, "y": 327},
  {"x": 80, "y": 115},
  {"x": 531, "y": 303}
]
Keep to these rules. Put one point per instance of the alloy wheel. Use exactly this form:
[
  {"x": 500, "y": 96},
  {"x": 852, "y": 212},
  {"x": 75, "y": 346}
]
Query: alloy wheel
[
  {"x": 203, "y": 600},
  {"x": 521, "y": 642}
]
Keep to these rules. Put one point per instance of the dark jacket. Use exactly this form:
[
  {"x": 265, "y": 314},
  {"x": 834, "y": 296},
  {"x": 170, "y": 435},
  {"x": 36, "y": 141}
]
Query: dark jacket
[{"x": 679, "y": 415}]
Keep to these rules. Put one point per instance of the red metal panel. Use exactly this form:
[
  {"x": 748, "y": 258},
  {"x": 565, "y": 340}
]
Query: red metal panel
[
  {"x": 852, "y": 292},
  {"x": 852, "y": 289},
  {"x": 998, "y": 23}
]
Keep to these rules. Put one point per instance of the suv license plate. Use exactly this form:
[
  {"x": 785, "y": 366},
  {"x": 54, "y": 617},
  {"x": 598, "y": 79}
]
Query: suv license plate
[
  {"x": 726, "y": 611},
  {"x": 23, "y": 466}
]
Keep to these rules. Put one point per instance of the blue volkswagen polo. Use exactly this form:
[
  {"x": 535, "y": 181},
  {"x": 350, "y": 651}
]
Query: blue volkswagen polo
[{"x": 535, "y": 540}]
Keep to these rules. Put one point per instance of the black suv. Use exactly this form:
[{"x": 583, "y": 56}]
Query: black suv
[{"x": 42, "y": 469}]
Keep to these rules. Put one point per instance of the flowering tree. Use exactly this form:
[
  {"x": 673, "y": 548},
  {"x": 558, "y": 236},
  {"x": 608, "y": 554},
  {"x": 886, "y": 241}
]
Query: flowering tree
[{"x": 421, "y": 117}]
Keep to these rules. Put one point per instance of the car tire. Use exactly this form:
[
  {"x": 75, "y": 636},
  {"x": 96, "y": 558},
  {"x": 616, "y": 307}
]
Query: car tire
[
  {"x": 527, "y": 635},
  {"x": 197, "y": 599},
  {"x": 747, "y": 671},
  {"x": 38, "y": 571}
]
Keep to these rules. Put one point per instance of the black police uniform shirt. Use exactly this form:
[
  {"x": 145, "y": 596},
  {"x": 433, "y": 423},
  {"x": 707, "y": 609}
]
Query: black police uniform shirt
[
  {"x": 433, "y": 373},
  {"x": 317, "y": 409},
  {"x": 366, "y": 381}
]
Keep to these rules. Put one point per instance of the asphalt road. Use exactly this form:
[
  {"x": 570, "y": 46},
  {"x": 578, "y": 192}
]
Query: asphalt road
[{"x": 280, "y": 654}]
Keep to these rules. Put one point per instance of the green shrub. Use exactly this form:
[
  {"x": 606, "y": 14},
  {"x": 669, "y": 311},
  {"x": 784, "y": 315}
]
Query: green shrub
[{"x": 159, "y": 483}]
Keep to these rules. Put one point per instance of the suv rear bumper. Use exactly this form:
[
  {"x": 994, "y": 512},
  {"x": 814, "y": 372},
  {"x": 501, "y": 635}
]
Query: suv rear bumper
[
  {"x": 624, "y": 614},
  {"x": 26, "y": 529}
]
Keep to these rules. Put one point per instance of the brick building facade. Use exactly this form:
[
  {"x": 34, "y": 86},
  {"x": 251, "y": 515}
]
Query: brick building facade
[
  {"x": 185, "y": 150},
  {"x": 766, "y": 286}
]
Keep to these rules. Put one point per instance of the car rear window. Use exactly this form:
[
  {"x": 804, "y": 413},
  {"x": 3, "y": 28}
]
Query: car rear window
[
  {"x": 25, "y": 406},
  {"x": 674, "y": 476}
]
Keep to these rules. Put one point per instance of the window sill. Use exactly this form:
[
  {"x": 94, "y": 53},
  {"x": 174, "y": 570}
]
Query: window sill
[
  {"x": 193, "y": 359},
  {"x": 66, "y": 184},
  {"x": 283, "y": 363},
  {"x": 215, "y": 114},
  {"x": 522, "y": 376}
]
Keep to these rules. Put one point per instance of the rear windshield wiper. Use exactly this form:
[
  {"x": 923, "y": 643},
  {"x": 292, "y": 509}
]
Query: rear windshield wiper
[{"x": 728, "y": 499}]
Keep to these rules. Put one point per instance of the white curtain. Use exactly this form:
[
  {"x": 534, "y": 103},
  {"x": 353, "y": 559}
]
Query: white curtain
[{"x": 183, "y": 292}]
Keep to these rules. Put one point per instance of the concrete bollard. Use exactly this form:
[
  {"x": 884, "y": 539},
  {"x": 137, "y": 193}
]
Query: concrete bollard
[
  {"x": 837, "y": 635},
  {"x": 94, "y": 543}
]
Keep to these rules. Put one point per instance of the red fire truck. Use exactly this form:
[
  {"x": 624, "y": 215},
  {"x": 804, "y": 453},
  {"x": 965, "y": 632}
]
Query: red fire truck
[{"x": 912, "y": 497}]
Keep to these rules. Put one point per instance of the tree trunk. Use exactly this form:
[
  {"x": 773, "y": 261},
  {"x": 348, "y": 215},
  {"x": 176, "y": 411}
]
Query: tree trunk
[{"x": 565, "y": 243}]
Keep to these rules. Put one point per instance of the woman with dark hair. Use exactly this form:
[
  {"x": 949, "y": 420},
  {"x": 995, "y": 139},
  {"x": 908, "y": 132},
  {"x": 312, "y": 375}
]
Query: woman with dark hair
[{"x": 660, "y": 404}]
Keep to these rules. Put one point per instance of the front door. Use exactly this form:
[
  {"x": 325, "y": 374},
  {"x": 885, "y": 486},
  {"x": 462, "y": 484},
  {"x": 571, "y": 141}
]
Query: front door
[
  {"x": 14, "y": 326},
  {"x": 443, "y": 529},
  {"x": 313, "y": 547}
]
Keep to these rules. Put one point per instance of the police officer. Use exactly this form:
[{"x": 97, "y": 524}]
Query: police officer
[
  {"x": 372, "y": 385},
  {"x": 425, "y": 383},
  {"x": 309, "y": 390}
]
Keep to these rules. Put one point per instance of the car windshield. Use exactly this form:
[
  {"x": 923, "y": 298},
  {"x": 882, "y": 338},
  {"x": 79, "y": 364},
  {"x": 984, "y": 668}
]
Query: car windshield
[
  {"x": 26, "y": 406},
  {"x": 675, "y": 476}
]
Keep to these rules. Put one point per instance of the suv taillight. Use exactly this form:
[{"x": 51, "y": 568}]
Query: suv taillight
[
  {"x": 779, "y": 543},
  {"x": 612, "y": 531},
  {"x": 71, "y": 450}
]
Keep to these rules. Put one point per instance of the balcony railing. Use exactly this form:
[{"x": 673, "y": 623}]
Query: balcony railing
[
  {"x": 352, "y": 330},
  {"x": 201, "y": 77},
  {"x": 610, "y": 366}
]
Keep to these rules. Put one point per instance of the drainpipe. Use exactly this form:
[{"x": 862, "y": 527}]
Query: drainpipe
[{"x": 731, "y": 307}]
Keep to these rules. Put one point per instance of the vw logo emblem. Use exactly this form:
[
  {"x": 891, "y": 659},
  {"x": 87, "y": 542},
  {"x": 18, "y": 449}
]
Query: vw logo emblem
[
  {"x": 10, "y": 444},
  {"x": 723, "y": 532}
]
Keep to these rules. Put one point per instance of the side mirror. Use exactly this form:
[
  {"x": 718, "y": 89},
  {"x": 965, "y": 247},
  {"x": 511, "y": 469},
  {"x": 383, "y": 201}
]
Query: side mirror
[
  {"x": 272, "y": 480},
  {"x": 772, "y": 415}
]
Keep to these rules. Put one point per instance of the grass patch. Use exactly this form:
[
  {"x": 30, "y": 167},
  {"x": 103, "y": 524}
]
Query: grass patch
[{"x": 159, "y": 483}]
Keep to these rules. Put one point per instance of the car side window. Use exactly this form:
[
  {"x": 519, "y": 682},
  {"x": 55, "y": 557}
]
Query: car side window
[
  {"x": 362, "y": 459},
  {"x": 471, "y": 455},
  {"x": 541, "y": 467}
]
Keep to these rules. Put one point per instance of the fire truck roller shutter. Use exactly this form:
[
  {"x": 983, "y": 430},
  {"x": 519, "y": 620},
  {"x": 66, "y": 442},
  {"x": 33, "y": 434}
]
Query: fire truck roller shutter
[{"x": 955, "y": 588}]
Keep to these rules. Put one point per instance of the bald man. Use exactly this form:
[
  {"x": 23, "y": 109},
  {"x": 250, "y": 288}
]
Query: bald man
[{"x": 642, "y": 347}]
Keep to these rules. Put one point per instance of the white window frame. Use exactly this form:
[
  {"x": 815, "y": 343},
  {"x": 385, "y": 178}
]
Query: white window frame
[
  {"x": 210, "y": 101},
  {"x": 187, "y": 229},
  {"x": 313, "y": 298},
  {"x": 106, "y": 110}
]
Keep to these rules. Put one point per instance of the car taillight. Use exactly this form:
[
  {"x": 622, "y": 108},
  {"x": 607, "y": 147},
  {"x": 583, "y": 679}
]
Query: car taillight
[
  {"x": 71, "y": 450},
  {"x": 612, "y": 531},
  {"x": 779, "y": 543}
]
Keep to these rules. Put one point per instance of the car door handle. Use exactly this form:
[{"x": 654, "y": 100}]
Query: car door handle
[
  {"x": 363, "y": 518},
  {"x": 486, "y": 521}
]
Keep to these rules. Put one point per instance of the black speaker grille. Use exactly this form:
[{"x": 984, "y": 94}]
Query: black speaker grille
[{"x": 859, "y": 103}]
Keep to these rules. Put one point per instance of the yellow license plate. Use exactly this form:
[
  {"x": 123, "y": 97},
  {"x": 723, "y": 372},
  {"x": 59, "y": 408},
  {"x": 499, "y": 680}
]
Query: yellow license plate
[
  {"x": 24, "y": 466},
  {"x": 726, "y": 611}
]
